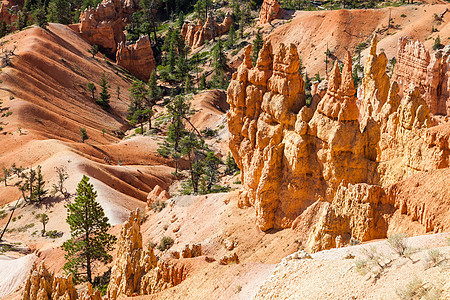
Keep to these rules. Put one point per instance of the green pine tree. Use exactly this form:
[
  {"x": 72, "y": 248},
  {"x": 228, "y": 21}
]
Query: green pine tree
[
  {"x": 90, "y": 240},
  {"x": 103, "y": 100},
  {"x": 258, "y": 43},
  {"x": 138, "y": 110},
  {"x": 59, "y": 12}
]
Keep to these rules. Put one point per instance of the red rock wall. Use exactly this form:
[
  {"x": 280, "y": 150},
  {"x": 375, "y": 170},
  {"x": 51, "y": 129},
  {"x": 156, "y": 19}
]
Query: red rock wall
[{"x": 137, "y": 58}]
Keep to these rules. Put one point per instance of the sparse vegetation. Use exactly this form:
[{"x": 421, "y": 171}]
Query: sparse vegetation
[
  {"x": 399, "y": 243},
  {"x": 165, "y": 243}
]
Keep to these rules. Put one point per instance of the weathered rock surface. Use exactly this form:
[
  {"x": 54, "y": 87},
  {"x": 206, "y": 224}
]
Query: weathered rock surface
[
  {"x": 429, "y": 72},
  {"x": 195, "y": 35},
  {"x": 157, "y": 194},
  {"x": 137, "y": 58},
  {"x": 137, "y": 271},
  {"x": 41, "y": 285},
  {"x": 269, "y": 11},
  {"x": 324, "y": 170},
  {"x": 104, "y": 25}
]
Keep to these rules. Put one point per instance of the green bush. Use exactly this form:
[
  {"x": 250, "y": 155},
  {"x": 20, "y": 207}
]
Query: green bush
[{"x": 166, "y": 243}]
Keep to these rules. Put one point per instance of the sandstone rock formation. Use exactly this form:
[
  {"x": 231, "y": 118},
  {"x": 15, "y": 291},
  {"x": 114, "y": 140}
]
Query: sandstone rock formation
[
  {"x": 6, "y": 16},
  {"x": 324, "y": 170},
  {"x": 137, "y": 271},
  {"x": 137, "y": 58},
  {"x": 41, "y": 285},
  {"x": 104, "y": 25},
  {"x": 269, "y": 11},
  {"x": 195, "y": 35},
  {"x": 157, "y": 194},
  {"x": 226, "y": 260},
  {"x": 429, "y": 72}
]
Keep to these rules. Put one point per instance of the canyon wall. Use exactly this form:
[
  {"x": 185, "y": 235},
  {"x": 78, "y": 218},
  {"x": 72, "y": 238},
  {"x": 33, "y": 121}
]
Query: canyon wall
[
  {"x": 430, "y": 73},
  {"x": 325, "y": 169},
  {"x": 195, "y": 35}
]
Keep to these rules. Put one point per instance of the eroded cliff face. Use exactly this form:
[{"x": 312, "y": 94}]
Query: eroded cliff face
[
  {"x": 324, "y": 170},
  {"x": 269, "y": 11},
  {"x": 136, "y": 270},
  {"x": 195, "y": 35},
  {"x": 104, "y": 24},
  {"x": 42, "y": 285},
  {"x": 430, "y": 73},
  {"x": 137, "y": 58}
]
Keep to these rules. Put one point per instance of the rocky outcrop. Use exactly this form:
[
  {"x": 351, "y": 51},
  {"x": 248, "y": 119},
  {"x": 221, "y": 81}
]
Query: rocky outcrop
[
  {"x": 430, "y": 73},
  {"x": 137, "y": 58},
  {"x": 226, "y": 260},
  {"x": 269, "y": 11},
  {"x": 103, "y": 25},
  {"x": 190, "y": 252},
  {"x": 6, "y": 16},
  {"x": 324, "y": 170},
  {"x": 42, "y": 285},
  {"x": 195, "y": 35},
  {"x": 137, "y": 271},
  {"x": 375, "y": 84},
  {"x": 286, "y": 150},
  {"x": 157, "y": 194}
]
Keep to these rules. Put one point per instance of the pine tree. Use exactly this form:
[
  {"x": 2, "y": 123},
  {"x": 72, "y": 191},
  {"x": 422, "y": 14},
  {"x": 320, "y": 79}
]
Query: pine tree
[
  {"x": 220, "y": 65},
  {"x": 231, "y": 38},
  {"x": 202, "y": 84},
  {"x": 43, "y": 218},
  {"x": 189, "y": 144},
  {"x": 230, "y": 165},
  {"x": 93, "y": 50},
  {"x": 258, "y": 43},
  {"x": 138, "y": 110},
  {"x": 90, "y": 241},
  {"x": 187, "y": 85},
  {"x": 91, "y": 88},
  {"x": 103, "y": 100},
  {"x": 39, "y": 17},
  {"x": 83, "y": 134},
  {"x": 178, "y": 110},
  {"x": 211, "y": 170},
  {"x": 59, "y": 12},
  {"x": 39, "y": 191}
]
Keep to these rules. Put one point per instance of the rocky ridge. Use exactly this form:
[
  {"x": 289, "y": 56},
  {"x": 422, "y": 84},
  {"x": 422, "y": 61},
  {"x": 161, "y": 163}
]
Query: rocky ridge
[
  {"x": 195, "y": 35},
  {"x": 324, "y": 169}
]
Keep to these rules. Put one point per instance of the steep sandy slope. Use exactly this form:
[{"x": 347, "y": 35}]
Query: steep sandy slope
[{"x": 341, "y": 30}]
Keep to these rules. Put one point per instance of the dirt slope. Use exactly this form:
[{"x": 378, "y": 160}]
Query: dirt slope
[{"x": 313, "y": 31}]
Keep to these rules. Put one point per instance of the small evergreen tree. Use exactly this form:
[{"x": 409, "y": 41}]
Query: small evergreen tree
[
  {"x": 103, "y": 100},
  {"x": 39, "y": 17},
  {"x": 93, "y": 50},
  {"x": 437, "y": 43},
  {"x": 189, "y": 144},
  {"x": 258, "y": 43},
  {"x": 211, "y": 170},
  {"x": 138, "y": 110},
  {"x": 188, "y": 85},
  {"x": 22, "y": 19},
  {"x": 202, "y": 84},
  {"x": 39, "y": 191},
  {"x": 43, "y": 218},
  {"x": 91, "y": 88},
  {"x": 231, "y": 38},
  {"x": 90, "y": 240},
  {"x": 83, "y": 134},
  {"x": 59, "y": 12},
  {"x": 118, "y": 92},
  {"x": 230, "y": 165}
]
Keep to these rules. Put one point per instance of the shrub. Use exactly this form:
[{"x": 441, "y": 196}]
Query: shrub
[
  {"x": 398, "y": 243},
  {"x": 434, "y": 258},
  {"x": 166, "y": 243},
  {"x": 158, "y": 206}
]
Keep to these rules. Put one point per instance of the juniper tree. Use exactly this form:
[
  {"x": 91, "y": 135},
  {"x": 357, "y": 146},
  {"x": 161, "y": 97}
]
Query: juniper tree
[
  {"x": 43, "y": 218},
  {"x": 90, "y": 240},
  {"x": 83, "y": 134}
]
